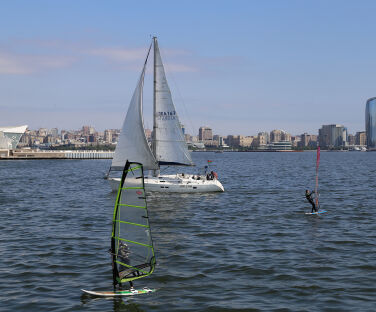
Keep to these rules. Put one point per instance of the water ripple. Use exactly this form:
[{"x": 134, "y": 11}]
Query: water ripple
[{"x": 251, "y": 248}]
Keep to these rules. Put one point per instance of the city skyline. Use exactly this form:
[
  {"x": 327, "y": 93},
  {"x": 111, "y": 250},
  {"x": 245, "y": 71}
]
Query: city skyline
[
  {"x": 194, "y": 133},
  {"x": 252, "y": 67},
  {"x": 329, "y": 136},
  {"x": 148, "y": 131}
]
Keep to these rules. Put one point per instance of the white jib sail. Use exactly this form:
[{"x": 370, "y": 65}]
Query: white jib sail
[
  {"x": 170, "y": 146},
  {"x": 132, "y": 144}
]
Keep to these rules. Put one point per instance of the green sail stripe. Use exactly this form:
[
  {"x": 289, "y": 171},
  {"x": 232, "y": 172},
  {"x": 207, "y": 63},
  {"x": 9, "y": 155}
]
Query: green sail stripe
[
  {"x": 129, "y": 241},
  {"x": 132, "y": 206},
  {"x": 124, "y": 280},
  {"x": 137, "y": 224},
  {"x": 137, "y": 277},
  {"x": 134, "y": 168},
  {"x": 131, "y": 267}
]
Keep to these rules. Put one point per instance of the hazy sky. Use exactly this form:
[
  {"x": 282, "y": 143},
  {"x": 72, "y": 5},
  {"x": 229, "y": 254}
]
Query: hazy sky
[{"x": 239, "y": 67}]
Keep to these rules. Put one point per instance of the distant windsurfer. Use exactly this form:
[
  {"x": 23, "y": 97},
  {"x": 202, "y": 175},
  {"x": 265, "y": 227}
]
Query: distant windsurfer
[{"x": 308, "y": 195}]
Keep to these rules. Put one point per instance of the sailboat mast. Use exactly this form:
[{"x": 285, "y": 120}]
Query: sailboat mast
[
  {"x": 169, "y": 146},
  {"x": 154, "y": 143}
]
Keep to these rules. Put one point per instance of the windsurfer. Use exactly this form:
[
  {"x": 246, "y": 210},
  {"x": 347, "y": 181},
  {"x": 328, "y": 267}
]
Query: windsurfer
[
  {"x": 308, "y": 196},
  {"x": 123, "y": 253}
]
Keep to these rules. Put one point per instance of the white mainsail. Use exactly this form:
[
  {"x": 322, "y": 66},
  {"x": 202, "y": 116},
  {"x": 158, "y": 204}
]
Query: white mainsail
[
  {"x": 169, "y": 145},
  {"x": 132, "y": 144}
]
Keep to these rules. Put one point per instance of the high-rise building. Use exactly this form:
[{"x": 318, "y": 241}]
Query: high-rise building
[
  {"x": 108, "y": 136},
  {"x": 92, "y": 138},
  {"x": 85, "y": 130},
  {"x": 351, "y": 139},
  {"x": 296, "y": 140},
  {"x": 187, "y": 137},
  {"x": 246, "y": 141},
  {"x": 309, "y": 140},
  {"x": 25, "y": 139},
  {"x": 279, "y": 136},
  {"x": 262, "y": 139},
  {"x": 54, "y": 132},
  {"x": 42, "y": 132},
  {"x": 49, "y": 139},
  {"x": 279, "y": 140},
  {"x": 221, "y": 141},
  {"x": 205, "y": 135},
  {"x": 360, "y": 138},
  {"x": 275, "y": 136},
  {"x": 217, "y": 140},
  {"x": 332, "y": 136},
  {"x": 304, "y": 139},
  {"x": 63, "y": 134},
  {"x": 233, "y": 140},
  {"x": 371, "y": 123},
  {"x": 286, "y": 137}
]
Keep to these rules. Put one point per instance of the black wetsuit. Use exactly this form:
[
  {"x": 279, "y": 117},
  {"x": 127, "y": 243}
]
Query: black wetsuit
[{"x": 309, "y": 198}]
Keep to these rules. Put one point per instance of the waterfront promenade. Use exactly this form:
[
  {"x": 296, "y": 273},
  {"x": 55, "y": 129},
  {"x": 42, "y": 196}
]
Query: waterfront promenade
[{"x": 40, "y": 154}]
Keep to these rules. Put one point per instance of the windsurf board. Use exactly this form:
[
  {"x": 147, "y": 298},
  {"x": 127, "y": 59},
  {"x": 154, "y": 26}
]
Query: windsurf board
[{"x": 127, "y": 292}]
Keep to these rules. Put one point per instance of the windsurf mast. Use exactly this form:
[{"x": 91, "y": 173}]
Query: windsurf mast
[
  {"x": 317, "y": 177},
  {"x": 131, "y": 242}
]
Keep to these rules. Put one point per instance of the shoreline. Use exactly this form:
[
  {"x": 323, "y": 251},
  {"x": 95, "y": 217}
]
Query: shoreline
[{"x": 84, "y": 154}]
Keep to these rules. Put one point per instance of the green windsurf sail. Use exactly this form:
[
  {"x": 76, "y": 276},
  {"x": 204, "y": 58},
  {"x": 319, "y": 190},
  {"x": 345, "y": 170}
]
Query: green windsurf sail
[{"x": 131, "y": 242}]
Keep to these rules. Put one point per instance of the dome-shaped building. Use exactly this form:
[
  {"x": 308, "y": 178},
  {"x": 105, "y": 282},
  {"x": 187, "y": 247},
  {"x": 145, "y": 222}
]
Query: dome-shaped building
[{"x": 10, "y": 136}]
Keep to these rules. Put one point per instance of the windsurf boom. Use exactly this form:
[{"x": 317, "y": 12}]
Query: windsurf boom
[{"x": 131, "y": 242}]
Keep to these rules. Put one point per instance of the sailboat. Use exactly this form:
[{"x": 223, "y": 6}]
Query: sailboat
[
  {"x": 168, "y": 144},
  {"x": 132, "y": 250}
]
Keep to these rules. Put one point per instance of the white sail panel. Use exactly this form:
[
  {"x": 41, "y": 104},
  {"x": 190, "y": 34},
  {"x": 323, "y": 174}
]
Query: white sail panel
[
  {"x": 132, "y": 144},
  {"x": 169, "y": 143}
]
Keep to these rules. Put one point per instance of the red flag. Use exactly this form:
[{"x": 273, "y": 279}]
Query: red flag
[{"x": 209, "y": 161}]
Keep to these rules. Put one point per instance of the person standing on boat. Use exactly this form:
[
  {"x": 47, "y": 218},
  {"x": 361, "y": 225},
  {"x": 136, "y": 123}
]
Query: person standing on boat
[{"x": 308, "y": 196}]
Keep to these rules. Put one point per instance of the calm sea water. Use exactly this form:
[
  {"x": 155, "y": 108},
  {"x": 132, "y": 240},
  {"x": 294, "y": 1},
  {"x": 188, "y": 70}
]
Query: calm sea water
[{"x": 251, "y": 248}]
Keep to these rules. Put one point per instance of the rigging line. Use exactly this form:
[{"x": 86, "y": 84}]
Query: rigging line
[
  {"x": 191, "y": 124},
  {"x": 164, "y": 169},
  {"x": 171, "y": 141}
]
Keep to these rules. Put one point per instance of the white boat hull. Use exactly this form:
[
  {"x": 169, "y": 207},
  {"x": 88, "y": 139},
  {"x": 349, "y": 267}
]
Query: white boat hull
[{"x": 176, "y": 184}]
